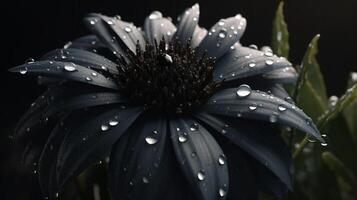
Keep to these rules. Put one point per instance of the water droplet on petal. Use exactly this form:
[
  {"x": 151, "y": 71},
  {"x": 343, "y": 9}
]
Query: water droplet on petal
[
  {"x": 251, "y": 64},
  {"x": 150, "y": 140},
  {"x": 155, "y": 132},
  {"x": 281, "y": 108},
  {"x": 94, "y": 74},
  {"x": 113, "y": 122},
  {"x": 268, "y": 53},
  {"x": 182, "y": 138},
  {"x": 222, "y": 192},
  {"x": 221, "y": 160},
  {"x": 323, "y": 144},
  {"x": 243, "y": 91},
  {"x": 194, "y": 127},
  {"x": 29, "y": 61},
  {"x": 104, "y": 127},
  {"x": 155, "y": 15},
  {"x": 201, "y": 175},
  {"x": 252, "y": 107},
  {"x": 23, "y": 70},
  {"x": 70, "y": 68},
  {"x": 269, "y": 62},
  {"x": 88, "y": 79},
  {"x": 222, "y": 34},
  {"x": 253, "y": 46},
  {"x": 127, "y": 29},
  {"x": 221, "y": 23}
]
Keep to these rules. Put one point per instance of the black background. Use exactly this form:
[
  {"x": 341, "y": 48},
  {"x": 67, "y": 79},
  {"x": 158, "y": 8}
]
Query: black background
[{"x": 31, "y": 28}]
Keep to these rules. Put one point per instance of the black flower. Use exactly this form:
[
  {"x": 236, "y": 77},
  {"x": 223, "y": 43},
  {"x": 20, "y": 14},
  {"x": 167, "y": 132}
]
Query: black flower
[{"x": 171, "y": 105}]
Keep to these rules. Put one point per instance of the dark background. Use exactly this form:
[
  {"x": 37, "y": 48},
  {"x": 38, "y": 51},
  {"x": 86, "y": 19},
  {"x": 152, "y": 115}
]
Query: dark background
[{"x": 31, "y": 28}]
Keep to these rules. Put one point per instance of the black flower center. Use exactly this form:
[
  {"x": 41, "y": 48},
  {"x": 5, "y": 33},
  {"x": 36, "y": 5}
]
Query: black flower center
[{"x": 172, "y": 78}]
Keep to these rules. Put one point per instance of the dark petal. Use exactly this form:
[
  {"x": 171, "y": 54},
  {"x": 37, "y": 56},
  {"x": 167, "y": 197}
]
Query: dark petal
[
  {"x": 285, "y": 75},
  {"x": 83, "y": 58},
  {"x": 88, "y": 43},
  {"x": 275, "y": 89},
  {"x": 130, "y": 36},
  {"x": 157, "y": 27},
  {"x": 260, "y": 106},
  {"x": 198, "y": 155},
  {"x": 187, "y": 23},
  {"x": 257, "y": 140},
  {"x": 223, "y": 35},
  {"x": 136, "y": 162},
  {"x": 198, "y": 36},
  {"x": 48, "y": 159},
  {"x": 242, "y": 62},
  {"x": 102, "y": 30},
  {"x": 67, "y": 71},
  {"x": 92, "y": 140},
  {"x": 83, "y": 101}
]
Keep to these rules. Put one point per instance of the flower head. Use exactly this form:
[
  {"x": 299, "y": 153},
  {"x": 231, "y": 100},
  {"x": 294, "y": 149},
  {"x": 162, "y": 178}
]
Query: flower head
[{"x": 170, "y": 105}]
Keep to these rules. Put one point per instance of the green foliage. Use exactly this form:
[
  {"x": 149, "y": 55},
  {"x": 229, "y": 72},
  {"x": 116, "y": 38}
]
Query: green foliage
[
  {"x": 328, "y": 168},
  {"x": 280, "y": 35}
]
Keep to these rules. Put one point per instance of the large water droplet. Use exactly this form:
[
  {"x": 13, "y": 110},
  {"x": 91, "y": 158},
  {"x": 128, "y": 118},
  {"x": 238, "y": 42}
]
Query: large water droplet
[
  {"x": 70, "y": 68},
  {"x": 182, "y": 138},
  {"x": 150, "y": 140},
  {"x": 201, "y": 175},
  {"x": 243, "y": 91}
]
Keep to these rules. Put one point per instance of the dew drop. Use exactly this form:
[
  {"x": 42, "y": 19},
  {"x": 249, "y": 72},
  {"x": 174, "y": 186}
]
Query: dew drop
[
  {"x": 88, "y": 79},
  {"x": 222, "y": 34},
  {"x": 269, "y": 62},
  {"x": 194, "y": 127},
  {"x": 182, "y": 138},
  {"x": 113, "y": 122},
  {"x": 155, "y": 132},
  {"x": 92, "y": 22},
  {"x": 323, "y": 144},
  {"x": 104, "y": 127},
  {"x": 70, "y": 68},
  {"x": 221, "y": 160},
  {"x": 150, "y": 140},
  {"x": 29, "y": 61},
  {"x": 155, "y": 15},
  {"x": 222, "y": 192},
  {"x": 268, "y": 53},
  {"x": 251, "y": 64},
  {"x": 127, "y": 29},
  {"x": 243, "y": 91},
  {"x": 23, "y": 70},
  {"x": 221, "y": 23},
  {"x": 94, "y": 74},
  {"x": 201, "y": 175},
  {"x": 253, "y": 46},
  {"x": 281, "y": 108},
  {"x": 252, "y": 107}
]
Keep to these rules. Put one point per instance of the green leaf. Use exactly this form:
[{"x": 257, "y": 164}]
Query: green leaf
[
  {"x": 345, "y": 178},
  {"x": 350, "y": 112},
  {"x": 347, "y": 99},
  {"x": 280, "y": 35},
  {"x": 310, "y": 91}
]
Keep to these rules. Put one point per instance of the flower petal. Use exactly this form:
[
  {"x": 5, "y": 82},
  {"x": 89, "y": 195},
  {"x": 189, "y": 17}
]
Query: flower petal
[
  {"x": 258, "y": 141},
  {"x": 67, "y": 104},
  {"x": 67, "y": 71},
  {"x": 222, "y": 36},
  {"x": 92, "y": 140},
  {"x": 285, "y": 75},
  {"x": 83, "y": 58},
  {"x": 200, "y": 158},
  {"x": 88, "y": 43},
  {"x": 260, "y": 106},
  {"x": 187, "y": 23},
  {"x": 198, "y": 36},
  {"x": 157, "y": 27},
  {"x": 242, "y": 62},
  {"x": 137, "y": 162}
]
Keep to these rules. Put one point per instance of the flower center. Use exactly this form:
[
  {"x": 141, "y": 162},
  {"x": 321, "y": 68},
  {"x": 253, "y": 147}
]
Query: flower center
[{"x": 170, "y": 77}]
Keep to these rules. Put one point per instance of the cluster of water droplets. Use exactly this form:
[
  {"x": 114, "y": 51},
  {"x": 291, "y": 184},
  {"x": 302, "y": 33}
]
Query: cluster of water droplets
[{"x": 111, "y": 123}]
